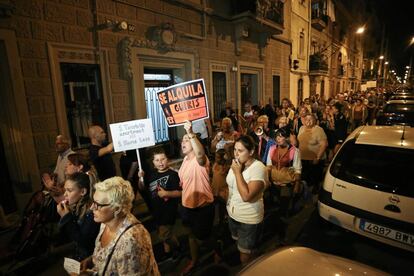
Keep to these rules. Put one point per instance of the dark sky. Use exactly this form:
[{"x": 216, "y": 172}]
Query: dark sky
[{"x": 398, "y": 17}]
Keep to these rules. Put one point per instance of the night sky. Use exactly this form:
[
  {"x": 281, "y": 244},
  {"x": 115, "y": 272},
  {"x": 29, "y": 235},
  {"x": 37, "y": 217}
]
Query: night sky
[{"x": 398, "y": 17}]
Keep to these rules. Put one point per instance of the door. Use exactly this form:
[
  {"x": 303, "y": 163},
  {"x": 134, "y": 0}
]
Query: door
[
  {"x": 276, "y": 90},
  {"x": 249, "y": 89},
  {"x": 157, "y": 79},
  {"x": 7, "y": 199}
]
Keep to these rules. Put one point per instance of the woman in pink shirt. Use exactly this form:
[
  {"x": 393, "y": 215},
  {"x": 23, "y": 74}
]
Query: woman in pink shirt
[{"x": 197, "y": 196}]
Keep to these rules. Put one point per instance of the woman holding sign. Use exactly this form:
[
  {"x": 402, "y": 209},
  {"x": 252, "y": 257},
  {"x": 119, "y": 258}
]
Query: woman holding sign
[{"x": 197, "y": 196}]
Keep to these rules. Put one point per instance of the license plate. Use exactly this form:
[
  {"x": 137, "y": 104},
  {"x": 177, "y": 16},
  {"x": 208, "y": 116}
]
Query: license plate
[{"x": 386, "y": 232}]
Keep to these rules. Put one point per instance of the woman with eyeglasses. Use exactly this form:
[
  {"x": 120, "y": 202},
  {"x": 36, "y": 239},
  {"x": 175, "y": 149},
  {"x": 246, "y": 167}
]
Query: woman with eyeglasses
[
  {"x": 123, "y": 245},
  {"x": 76, "y": 217}
]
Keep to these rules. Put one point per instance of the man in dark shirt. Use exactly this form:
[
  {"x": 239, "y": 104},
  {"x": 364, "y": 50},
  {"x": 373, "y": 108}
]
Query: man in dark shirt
[
  {"x": 341, "y": 125},
  {"x": 100, "y": 153}
]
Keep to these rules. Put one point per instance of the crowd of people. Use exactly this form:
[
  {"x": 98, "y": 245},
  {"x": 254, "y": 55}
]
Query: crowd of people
[{"x": 272, "y": 151}]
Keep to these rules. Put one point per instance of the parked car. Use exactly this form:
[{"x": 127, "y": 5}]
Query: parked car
[
  {"x": 368, "y": 187},
  {"x": 397, "y": 112},
  {"x": 406, "y": 97},
  {"x": 289, "y": 261}
]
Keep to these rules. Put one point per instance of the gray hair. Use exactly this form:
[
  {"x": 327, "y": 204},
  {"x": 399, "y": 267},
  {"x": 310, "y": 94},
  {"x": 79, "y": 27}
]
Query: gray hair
[{"x": 119, "y": 192}]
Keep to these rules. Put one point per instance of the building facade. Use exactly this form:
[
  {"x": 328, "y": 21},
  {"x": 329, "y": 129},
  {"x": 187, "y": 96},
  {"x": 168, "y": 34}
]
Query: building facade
[
  {"x": 71, "y": 63},
  {"x": 336, "y": 59},
  {"x": 300, "y": 36}
]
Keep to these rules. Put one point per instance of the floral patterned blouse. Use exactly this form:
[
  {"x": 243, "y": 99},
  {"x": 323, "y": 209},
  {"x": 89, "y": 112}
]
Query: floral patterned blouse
[{"x": 133, "y": 253}]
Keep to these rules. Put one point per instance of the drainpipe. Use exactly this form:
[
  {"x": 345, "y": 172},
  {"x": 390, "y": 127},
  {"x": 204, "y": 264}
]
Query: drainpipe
[
  {"x": 95, "y": 36},
  {"x": 309, "y": 42}
]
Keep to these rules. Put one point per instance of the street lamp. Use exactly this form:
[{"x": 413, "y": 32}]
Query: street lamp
[
  {"x": 381, "y": 57},
  {"x": 361, "y": 30}
]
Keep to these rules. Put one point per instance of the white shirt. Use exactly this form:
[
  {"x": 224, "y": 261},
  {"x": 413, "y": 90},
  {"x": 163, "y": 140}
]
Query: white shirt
[
  {"x": 200, "y": 127},
  {"x": 61, "y": 162},
  {"x": 239, "y": 210},
  {"x": 248, "y": 114}
]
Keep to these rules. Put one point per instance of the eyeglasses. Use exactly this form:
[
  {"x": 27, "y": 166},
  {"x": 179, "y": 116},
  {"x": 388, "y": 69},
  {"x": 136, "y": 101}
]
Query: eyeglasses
[{"x": 98, "y": 206}]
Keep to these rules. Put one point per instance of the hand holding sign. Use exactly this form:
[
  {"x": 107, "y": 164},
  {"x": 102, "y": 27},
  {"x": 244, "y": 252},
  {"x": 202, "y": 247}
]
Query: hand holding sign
[
  {"x": 133, "y": 135},
  {"x": 188, "y": 127},
  {"x": 184, "y": 101}
]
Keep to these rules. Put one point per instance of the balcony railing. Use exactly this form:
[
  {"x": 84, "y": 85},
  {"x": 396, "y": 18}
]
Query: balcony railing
[
  {"x": 319, "y": 20},
  {"x": 268, "y": 10},
  {"x": 319, "y": 15},
  {"x": 317, "y": 63}
]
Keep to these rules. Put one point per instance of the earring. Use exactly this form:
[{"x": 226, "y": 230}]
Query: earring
[{"x": 116, "y": 213}]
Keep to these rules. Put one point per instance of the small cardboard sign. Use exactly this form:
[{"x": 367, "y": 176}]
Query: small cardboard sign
[
  {"x": 71, "y": 266},
  {"x": 184, "y": 101},
  {"x": 132, "y": 135}
]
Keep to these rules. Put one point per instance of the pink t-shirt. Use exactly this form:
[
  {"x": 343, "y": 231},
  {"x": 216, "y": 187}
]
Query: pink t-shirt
[{"x": 195, "y": 182}]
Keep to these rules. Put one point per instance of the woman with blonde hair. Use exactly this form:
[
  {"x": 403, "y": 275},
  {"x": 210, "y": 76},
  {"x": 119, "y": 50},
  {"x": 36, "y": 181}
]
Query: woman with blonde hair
[{"x": 123, "y": 245}]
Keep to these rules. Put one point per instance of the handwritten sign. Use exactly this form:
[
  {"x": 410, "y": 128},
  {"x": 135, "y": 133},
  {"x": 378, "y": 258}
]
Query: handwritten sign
[
  {"x": 184, "y": 101},
  {"x": 71, "y": 266},
  {"x": 132, "y": 135}
]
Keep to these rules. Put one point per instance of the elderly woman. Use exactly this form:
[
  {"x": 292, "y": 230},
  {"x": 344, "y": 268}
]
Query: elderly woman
[
  {"x": 76, "y": 217},
  {"x": 312, "y": 145},
  {"x": 197, "y": 196},
  {"x": 262, "y": 135},
  {"x": 246, "y": 181},
  {"x": 123, "y": 245},
  {"x": 225, "y": 136}
]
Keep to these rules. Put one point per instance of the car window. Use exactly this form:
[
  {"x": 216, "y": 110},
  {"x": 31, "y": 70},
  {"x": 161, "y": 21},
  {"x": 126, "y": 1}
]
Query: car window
[
  {"x": 399, "y": 108},
  {"x": 382, "y": 168}
]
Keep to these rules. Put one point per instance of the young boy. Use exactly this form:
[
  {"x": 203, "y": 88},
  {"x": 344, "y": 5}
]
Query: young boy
[{"x": 163, "y": 184}]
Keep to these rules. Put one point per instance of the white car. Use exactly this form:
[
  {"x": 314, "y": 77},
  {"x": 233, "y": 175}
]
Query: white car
[
  {"x": 289, "y": 261},
  {"x": 369, "y": 185}
]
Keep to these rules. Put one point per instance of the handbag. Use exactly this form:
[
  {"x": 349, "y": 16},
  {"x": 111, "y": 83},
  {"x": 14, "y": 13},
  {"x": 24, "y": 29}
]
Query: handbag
[
  {"x": 283, "y": 175},
  {"x": 113, "y": 248}
]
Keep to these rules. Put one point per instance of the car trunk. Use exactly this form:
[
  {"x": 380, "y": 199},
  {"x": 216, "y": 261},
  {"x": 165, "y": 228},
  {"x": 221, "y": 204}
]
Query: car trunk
[{"x": 375, "y": 179}]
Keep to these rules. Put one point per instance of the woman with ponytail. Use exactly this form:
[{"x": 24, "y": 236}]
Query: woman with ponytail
[{"x": 76, "y": 217}]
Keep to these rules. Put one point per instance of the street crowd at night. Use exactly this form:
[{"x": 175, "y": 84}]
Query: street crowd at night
[
  {"x": 271, "y": 156},
  {"x": 202, "y": 137}
]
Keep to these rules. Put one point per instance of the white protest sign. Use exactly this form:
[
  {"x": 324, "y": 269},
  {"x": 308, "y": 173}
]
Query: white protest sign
[
  {"x": 71, "y": 266},
  {"x": 132, "y": 135}
]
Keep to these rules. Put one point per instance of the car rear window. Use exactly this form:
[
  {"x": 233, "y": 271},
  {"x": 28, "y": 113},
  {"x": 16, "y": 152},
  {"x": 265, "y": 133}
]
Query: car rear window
[
  {"x": 398, "y": 108},
  {"x": 382, "y": 168}
]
